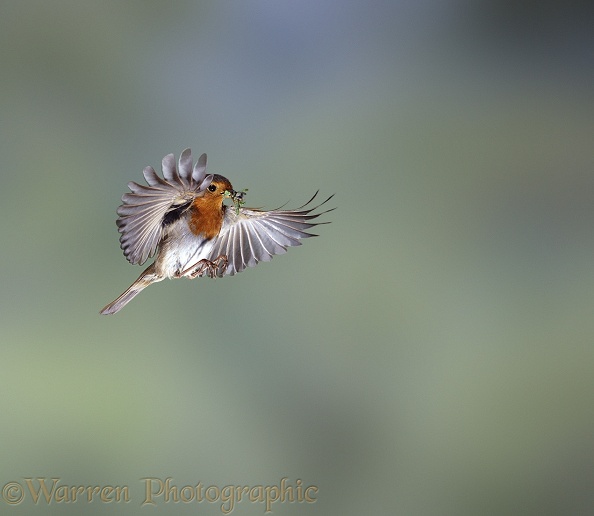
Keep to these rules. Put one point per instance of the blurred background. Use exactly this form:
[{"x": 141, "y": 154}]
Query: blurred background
[{"x": 431, "y": 353}]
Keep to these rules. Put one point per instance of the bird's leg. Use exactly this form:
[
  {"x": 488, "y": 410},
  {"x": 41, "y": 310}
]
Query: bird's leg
[
  {"x": 211, "y": 268},
  {"x": 220, "y": 265},
  {"x": 197, "y": 269}
]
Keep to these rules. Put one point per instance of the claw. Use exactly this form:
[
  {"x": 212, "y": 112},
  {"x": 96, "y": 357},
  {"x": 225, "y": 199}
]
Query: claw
[{"x": 210, "y": 268}]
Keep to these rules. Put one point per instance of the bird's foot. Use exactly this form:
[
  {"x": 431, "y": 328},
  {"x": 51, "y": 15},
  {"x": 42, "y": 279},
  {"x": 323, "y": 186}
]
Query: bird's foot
[{"x": 206, "y": 267}]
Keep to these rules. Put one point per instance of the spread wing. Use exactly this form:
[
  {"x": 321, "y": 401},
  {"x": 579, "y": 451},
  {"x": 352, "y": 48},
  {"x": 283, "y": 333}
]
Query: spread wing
[
  {"x": 146, "y": 211},
  {"x": 253, "y": 235}
]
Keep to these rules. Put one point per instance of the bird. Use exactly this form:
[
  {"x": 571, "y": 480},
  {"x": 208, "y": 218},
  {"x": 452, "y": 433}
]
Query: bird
[{"x": 182, "y": 220}]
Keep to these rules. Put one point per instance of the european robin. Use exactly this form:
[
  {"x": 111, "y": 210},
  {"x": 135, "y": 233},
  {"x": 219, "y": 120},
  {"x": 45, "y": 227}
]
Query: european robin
[{"x": 182, "y": 219}]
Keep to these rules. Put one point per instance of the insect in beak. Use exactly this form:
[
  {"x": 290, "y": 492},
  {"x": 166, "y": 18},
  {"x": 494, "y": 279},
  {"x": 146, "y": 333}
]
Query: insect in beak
[{"x": 236, "y": 197}]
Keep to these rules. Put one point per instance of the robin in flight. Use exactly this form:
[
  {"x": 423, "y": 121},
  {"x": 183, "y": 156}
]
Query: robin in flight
[{"x": 181, "y": 217}]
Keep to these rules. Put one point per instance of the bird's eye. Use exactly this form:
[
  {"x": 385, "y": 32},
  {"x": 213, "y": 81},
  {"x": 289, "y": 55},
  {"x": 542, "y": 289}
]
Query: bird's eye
[{"x": 212, "y": 188}]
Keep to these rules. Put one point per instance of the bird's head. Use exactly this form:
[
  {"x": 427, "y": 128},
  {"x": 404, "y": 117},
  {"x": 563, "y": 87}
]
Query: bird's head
[
  {"x": 220, "y": 187},
  {"x": 216, "y": 192}
]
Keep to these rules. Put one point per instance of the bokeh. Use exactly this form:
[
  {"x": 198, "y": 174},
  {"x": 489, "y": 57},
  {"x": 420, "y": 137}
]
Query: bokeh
[{"x": 430, "y": 353}]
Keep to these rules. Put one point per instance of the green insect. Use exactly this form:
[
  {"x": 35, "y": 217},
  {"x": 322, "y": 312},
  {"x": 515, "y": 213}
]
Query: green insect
[{"x": 237, "y": 198}]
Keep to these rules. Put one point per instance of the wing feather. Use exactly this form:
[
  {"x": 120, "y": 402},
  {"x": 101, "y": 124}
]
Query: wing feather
[
  {"x": 143, "y": 209},
  {"x": 252, "y": 235}
]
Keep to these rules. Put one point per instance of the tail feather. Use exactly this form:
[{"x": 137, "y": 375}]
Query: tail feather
[{"x": 143, "y": 281}]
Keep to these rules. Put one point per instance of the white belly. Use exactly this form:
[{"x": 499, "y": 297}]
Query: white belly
[{"x": 181, "y": 251}]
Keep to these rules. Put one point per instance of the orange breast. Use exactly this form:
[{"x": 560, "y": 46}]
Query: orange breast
[{"x": 206, "y": 218}]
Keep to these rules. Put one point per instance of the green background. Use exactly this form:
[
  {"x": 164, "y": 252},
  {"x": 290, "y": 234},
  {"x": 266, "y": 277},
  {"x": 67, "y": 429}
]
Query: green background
[{"x": 431, "y": 353}]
